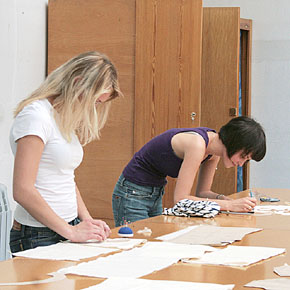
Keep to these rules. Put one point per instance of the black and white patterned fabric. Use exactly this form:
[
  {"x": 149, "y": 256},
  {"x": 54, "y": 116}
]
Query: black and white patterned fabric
[{"x": 192, "y": 208}]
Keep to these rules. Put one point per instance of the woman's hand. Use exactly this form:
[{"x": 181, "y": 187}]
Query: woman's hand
[
  {"x": 244, "y": 204},
  {"x": 90, "y": 229}
]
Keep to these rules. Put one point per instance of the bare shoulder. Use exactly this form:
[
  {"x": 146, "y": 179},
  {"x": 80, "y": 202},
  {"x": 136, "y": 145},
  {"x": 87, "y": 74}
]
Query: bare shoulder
[{"x": 184, "y": 143}]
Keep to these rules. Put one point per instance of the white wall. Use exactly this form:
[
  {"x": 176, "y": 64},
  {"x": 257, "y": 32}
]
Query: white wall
[
  {"x": 23, "y": 54},
  {"x": 270, "y": 84},
  {"x": 22, "y": 69}
]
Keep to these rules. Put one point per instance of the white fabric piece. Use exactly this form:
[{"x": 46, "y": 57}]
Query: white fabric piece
[
  {"x": 271, "y": 284},
  {"x": 283, "y": 271},
  {"x": 119, "y": 243},
  {"x": 209, "y": 235},
  {"x": 64, "y": 251},
  {"x": 238, "y": 256},
  {"x": 142, "y": 284},
  {"x": 153, "y": 256}
]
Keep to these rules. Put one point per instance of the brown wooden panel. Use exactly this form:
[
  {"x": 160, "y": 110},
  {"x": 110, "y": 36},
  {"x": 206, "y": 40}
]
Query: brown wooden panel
[
  {"x": 168, "y": 69},
  {"x": 246, "y": 55},
  {"x": 220, "y": 78},
  {"x": 76, "y": 26}
]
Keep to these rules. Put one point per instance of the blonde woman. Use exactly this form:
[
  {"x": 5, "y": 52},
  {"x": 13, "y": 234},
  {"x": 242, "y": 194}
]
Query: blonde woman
[{"x": 68, "y": 110}]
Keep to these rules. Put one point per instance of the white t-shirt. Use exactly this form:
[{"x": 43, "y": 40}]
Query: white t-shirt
[{"x": 55, "y": 178}]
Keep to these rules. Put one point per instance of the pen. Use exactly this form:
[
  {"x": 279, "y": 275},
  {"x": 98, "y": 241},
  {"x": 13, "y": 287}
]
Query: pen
[
  {"x": 251, "y": 194},
  {"x": 236, "y": 212}
]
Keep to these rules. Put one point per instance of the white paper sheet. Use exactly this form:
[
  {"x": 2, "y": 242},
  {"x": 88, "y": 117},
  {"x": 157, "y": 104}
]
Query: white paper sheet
[
  {"x": 208, "y": 235},
  {"x": 64, "y": 251},
  {"x": 271, "y": 284},
  {"x": 119, "y": 243},
  {"x": 277, "y": 209},
  {"x": 283, "y": 271},
  {"x": 142, "y": 284},
  {"x": 153, "y": 256},
  {"x": 238, "y": 256},
  {"x": 179, "y": 251}
]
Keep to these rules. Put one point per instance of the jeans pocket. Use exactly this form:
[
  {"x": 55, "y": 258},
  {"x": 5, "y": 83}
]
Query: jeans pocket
[
  {"x": 118, "y": 210},
  {"x": 15, "y": 241},
  {"x": 44, "y": 237}
]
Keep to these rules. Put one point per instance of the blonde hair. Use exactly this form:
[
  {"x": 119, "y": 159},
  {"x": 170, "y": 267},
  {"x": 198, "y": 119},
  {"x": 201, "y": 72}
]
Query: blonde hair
[{"x": 75, "y": 86}]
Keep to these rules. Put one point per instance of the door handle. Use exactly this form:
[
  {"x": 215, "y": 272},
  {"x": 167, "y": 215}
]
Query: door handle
[{"x": 192, "y": 115}]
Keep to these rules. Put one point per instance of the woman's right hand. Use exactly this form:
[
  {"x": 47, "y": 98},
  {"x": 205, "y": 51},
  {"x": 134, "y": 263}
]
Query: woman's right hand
[
  {"x": 244, "y": 204},
  {"x": 89, "y": 229}
]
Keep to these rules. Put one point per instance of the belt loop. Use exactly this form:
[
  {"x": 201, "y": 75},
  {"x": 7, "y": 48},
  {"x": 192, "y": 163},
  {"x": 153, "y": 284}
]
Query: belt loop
[
  {"x": 122, "y": 179},
  {"x": 22, "y": 230}
]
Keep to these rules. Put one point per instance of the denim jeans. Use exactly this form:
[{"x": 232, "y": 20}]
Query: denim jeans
[
  {"x": 133, "y": 202},
  {"x": 31, "y": 237}
]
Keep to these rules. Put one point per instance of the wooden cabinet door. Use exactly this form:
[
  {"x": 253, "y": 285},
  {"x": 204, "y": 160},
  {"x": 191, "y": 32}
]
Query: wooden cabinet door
[
  {"x": 168, "y": 69},
  {"x": 77, "y": 26},
  {"x": 220, "y": 79}
]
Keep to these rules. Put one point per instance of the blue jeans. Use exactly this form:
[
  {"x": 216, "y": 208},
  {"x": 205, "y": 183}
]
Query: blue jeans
[
  {"x": 28, "y": 237},
  {"x": 133, "y": 202}
]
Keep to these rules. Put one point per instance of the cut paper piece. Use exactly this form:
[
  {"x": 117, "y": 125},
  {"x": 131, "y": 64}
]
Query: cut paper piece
[
  {"x": 119, "y": 243},
  {"x": 283, "y": 271},
  {"x": 271, "y": 284},
  {"x": 178, "y": 251},
  {"x": 146, "y": 232},
  {"x": 237, "y": 256},
  {"x": 209, "y": 235},
  {"x": 277, "y": 209},
  {"x": 153, "y": 256},
  {"x": 55, "y": 277},
  {"x": 142, "y": 284},
  {"x": 64, "y": 251}
]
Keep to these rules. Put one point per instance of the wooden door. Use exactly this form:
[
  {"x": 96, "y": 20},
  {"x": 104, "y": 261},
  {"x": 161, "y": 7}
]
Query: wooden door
[
  {"x": 220, "y": 79},
  {"x": 77, "y": 26},
  {"x": 168, "y": 69}
]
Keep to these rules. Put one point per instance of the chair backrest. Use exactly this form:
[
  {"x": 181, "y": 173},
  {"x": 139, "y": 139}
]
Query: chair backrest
[{"x": 5, "y": 224}]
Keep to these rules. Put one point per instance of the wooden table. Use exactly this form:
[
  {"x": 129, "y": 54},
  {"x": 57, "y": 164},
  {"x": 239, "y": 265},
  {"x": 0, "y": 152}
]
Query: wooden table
[{"x": 275, "y": 233}]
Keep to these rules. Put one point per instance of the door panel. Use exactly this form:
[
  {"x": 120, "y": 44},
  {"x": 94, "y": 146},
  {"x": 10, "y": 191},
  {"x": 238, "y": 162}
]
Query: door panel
[
  {"x": 82, "y": 25},
  {"x": 168, "y": 69},
  {"x": 220, "y": 79}
]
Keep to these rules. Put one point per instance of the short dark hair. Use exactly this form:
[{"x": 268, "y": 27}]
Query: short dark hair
[{"x": 244, "y": 133}]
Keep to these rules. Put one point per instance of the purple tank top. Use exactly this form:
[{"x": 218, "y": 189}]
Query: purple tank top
[{"x": 156, "y": 159}]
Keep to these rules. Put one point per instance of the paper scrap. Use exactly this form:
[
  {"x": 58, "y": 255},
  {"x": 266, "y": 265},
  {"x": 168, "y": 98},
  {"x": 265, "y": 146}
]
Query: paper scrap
[
  {"x": 208, "y": 235},
  {"x": 237, "y": 256},
  {"x": 271, "y": 284},
  {"x": 140, "y": 261},
  {"x": 64, "y": 251},
  {"x": 146, "y": 232},
  {"x": 283, "y": 271},
  {"x": 119, "y": 243},
  {"x": 277, "y": 209}
]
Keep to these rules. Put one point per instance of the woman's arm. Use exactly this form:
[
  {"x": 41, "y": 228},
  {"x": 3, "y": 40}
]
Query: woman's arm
[
  {"x": 192, "y": 149},
  {"x": 27, "y": 158},
  {"x": 205, "y": 179}
]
